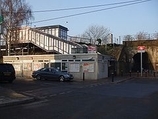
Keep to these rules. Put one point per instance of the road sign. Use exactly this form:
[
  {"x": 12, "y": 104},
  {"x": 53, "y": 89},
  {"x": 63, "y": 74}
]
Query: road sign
[{"x": 141, "y": 49}]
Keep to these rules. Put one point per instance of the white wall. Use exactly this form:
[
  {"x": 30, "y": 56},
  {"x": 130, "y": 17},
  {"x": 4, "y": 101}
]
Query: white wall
[{"x": 92, "y": 66}]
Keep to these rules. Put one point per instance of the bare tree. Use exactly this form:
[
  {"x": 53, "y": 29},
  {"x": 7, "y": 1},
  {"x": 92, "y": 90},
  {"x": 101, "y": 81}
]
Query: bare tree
[
  {"x": 96, "y": 32},
  {"x": 128, "y": 38},
  {"x": 15, "y": 14},
  {"x": 156, "y": 36},
  {"x": 142, "y": 36}
]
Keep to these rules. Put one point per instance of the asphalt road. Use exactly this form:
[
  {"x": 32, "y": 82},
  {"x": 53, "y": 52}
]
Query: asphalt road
[{"x": 133, "y": 99}]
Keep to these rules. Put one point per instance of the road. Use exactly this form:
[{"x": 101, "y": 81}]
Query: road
[{"x": 133, "y": 99}]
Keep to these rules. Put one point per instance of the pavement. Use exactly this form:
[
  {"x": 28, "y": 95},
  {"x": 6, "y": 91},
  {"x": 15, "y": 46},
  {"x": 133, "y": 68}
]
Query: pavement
[{"x": 9, "y": 97}]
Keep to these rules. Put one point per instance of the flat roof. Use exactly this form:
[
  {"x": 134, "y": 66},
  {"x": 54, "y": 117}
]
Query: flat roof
[{"x": 53, "y": 26}]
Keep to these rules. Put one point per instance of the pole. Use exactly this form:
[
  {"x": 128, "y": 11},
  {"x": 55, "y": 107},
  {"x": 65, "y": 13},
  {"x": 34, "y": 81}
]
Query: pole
[
  {"x": 0, "y": 20},
  {"x": 0, "y": 24},
  {"x": 141, "y": 62},
  {"x": 112, "y": 76},
  {"x": 141, "y": 49},
  {"x": 22, "y": 64},
  {"x": 83, "y": 76}
]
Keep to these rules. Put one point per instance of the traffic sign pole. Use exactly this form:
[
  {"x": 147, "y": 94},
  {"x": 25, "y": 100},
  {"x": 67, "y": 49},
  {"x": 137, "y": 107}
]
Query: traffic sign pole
[
  {"x": 141, "y": 63},
  {"x": 141, "y": 49}
]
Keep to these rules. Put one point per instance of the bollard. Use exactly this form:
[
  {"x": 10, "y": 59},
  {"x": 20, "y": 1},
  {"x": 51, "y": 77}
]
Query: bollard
[
  {"x": 112, "y": 77},
  {"x": 115, "y": 73},
  {"x": 83, "y": 76},
  {"x": 154, "y": 73},
  {"x": 130, "y": 73},
  {"x": 137, "y": 73},
  {"x": 145, "y": 73},
  {"x": 121, "y": 72}
]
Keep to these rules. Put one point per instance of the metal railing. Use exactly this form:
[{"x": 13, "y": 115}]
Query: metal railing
[{"x": 45, "y": 41}]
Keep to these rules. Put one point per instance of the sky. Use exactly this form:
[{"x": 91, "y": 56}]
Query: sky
[{"x": 126, "y": 20}]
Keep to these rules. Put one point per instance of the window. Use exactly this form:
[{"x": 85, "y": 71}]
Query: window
[
  {"x": 88, "y": 60},
  {"x": 71, "y": 60},
  {"x": 64, "y": 66},
  {"x": 56, "y": 65},
  {"x": 46, "y": 65},
  {"x": 64, "y": 60}
]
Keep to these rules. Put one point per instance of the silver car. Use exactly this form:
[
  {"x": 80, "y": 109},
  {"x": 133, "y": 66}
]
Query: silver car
[{"x": 52, "y": 73}]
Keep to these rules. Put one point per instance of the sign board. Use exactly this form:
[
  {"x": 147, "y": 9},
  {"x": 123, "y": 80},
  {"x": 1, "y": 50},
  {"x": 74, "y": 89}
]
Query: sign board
[
  {"x": 88, "y": 67},
  {"x": 92, "y": 49},
  {"x": 74, "y": 67},
  {"x": 141, "y": 49}
]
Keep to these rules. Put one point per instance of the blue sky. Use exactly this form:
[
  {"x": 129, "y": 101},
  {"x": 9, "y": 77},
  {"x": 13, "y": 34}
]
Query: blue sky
[{"x": 120, "y": 21}]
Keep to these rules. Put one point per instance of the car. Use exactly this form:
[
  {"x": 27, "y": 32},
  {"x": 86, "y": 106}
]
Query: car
[
  {"x": 52, "y": 73},
  {"x": 7, "y": 72}
]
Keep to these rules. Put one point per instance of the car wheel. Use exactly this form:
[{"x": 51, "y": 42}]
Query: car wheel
[
  {"x": 43, "y": 78},
  {"x": 38, "y": 77},
  {"x": 61, "y": 78},
  {"x": 10, "y": 81}
]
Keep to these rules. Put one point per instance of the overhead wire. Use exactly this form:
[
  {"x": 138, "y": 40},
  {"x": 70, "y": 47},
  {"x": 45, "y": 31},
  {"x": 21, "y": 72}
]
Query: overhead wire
[
  {"x": 93, "y": 11},
  {"x": 85, "y": 7}
]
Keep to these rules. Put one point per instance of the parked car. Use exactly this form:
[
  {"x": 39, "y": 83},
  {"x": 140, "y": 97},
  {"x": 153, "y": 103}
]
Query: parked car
[
  {"x": 7, "y": 72},
  {"x": 52, "y": 73}
]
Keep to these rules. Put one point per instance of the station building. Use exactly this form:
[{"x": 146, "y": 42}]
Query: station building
[
  {"x": 49, "y": 46},
  {"x": 83, "y": 66}
]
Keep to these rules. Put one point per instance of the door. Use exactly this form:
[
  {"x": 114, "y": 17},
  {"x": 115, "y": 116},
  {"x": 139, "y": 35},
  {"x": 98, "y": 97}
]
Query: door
[{"x": 53, "y": 74}]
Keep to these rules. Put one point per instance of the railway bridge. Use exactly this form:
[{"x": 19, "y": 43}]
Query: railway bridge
[{"x": 129, "y": 57}]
